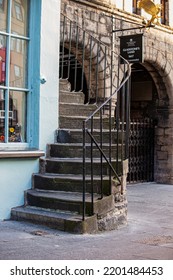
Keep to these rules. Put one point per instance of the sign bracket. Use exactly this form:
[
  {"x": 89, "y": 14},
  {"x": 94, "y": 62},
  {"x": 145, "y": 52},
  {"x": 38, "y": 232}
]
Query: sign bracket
[{"x": 134, "y": 28}]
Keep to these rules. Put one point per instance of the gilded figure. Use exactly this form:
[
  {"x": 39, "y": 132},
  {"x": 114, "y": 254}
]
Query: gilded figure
[{"x": 150, "y": 8}]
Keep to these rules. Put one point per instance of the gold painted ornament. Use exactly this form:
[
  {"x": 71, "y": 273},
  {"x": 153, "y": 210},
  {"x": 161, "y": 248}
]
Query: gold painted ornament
[{"x": 150, "y": 8}]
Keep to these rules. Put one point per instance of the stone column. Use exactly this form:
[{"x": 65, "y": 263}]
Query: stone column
[{"x": 164, "y": 146}]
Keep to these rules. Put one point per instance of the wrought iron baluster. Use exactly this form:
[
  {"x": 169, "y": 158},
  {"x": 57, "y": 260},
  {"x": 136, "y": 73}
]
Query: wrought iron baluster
[
  {"x": 110, "y": 145},
  {"x": 83, "y": 61},
  {"x": 76, "y": 57},
  {"x": 101, "y": 156},
  {"x": 63, "y": 44},
  {"x": 127, "y": 121},
  {"x": 90, "y": 67},
  {"x": 92, "y": 167},
  {"x": 105, "y": 64},
  {"x": 84, "y": 172},
  {"x": 69, "y": 51},
  {"x": 97, "y": 70}
]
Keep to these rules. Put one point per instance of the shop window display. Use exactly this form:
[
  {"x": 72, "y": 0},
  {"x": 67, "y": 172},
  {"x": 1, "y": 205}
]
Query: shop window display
[{"x": 14, "y": 42}]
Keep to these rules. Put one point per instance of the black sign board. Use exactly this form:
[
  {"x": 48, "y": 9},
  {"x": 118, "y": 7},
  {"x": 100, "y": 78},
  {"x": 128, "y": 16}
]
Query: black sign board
[{"x": 131, "y": 48}]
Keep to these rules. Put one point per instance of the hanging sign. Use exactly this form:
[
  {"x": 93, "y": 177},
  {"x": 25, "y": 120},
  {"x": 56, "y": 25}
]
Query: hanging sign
[{"x": 131, "y": 48}]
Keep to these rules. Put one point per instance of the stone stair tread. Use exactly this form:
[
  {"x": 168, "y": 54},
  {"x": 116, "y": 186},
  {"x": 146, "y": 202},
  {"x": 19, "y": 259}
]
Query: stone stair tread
[
  {"x": 70, "y": 97},
  {"x": 65, "y": 91},
  {"x": 76, "y": 159},
  {"x": 80, "y": 105},
  {"x": 80, "y": 129},
  {"x": 81, "y": 144},
  {"x": 70, "y": 176},
  {"x": 83, "y": 117},
  {"x": 49, "y": 213},
  {"x": 61, "y": 195},
  {"x": 57, "y": 219}
]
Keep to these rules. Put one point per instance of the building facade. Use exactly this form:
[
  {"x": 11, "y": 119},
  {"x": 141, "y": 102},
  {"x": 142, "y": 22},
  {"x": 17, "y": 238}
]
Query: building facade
[{"x": 29, "y": 84}]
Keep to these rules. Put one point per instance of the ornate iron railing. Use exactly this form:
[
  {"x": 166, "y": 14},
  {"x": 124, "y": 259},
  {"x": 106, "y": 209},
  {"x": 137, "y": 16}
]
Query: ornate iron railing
[{"x": 103, "y": 76}]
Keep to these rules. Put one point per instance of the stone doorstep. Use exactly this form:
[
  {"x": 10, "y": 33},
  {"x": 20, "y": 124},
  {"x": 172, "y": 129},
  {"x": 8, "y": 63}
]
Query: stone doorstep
[
  {"x": 76, "y": 109},
  {"x": 74, "y": 166},
  {"x": 76, "y": 150},
  {"x": 58, "y": 220},
  {"x": 66, "y": 96},
  {"x": 77, "y": 122},
  {"x": 68, "y": 201},
  {"x": 64, "y": 85},
  {"x": 72, "y": 222},
  {"x": 68, "y": 182},
  {"x": 75, "y": 136}
]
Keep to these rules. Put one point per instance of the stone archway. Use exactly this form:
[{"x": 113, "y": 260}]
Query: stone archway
[
  {"x": 159, "y": 108},
  {"x": 144, "y": 94},
  {"x": 143, "y": 118},
  {"x": 91, "y": 60}
]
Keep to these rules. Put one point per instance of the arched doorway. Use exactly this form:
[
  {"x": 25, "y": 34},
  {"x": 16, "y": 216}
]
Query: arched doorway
[{"x": 143, "y": 120}]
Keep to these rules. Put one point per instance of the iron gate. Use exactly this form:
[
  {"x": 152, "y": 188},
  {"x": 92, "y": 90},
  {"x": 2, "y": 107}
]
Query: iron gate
[{"x": 141, "y": 151}]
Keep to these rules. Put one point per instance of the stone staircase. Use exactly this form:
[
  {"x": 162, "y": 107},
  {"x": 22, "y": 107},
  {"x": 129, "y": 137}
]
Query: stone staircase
[{"x": 55, "y": 199}]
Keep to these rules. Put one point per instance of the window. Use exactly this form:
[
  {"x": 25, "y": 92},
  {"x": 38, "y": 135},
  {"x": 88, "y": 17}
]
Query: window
[
  {"x": 165, "y": 12},
  {"x": 14, "y": 89},
  {"x": 136, "y": 10},
  {"x": 1, "y": 5},
  {"x": 18, "y": 11},
  {"x": 17, "y": 71}
]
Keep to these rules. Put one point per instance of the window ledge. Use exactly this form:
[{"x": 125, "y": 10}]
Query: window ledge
[{"x": 21, "y": 154}]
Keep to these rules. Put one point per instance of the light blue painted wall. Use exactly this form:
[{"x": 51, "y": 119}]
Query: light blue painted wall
[
  {"x": 49, "y": 69},
  {"x": 15, "y": 178}
]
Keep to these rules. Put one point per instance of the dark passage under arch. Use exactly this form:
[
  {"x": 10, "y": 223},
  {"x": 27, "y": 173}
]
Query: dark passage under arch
[
  {"x": 71, "y": 69},
  {"x": 143, "y": 120}
]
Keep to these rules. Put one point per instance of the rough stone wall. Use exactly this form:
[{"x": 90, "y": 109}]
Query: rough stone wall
[
  {"x": 158, "y": 60},
  {"x": 92, "y": 20}
]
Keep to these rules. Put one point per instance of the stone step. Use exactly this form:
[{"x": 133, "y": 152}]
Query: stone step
[
  {"x": 75, "y": 166},
  {"x": 64, "y": 85},
  {"x": 76, "y": 136},
  {"x": 69, "y": 183},
  {"x": 68, "y": 201},
  {"x": 64, "y": 221},
  {"x": 76, "y": 150},
  {"x": 71, "y": 97},
  {"x": 74, "y": 109},
  {"x": 76, "y": 122}
]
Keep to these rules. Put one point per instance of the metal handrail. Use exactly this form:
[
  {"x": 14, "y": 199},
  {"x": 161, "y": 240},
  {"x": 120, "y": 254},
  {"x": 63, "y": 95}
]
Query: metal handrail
[{"x": 98, "y": 58}]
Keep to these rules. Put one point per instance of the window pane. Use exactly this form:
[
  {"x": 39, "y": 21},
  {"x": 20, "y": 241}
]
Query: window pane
[
  {"x": 3, "y": 15},
  {"x": 18, "y": 62},
  {"x": 136, "y": 10},
  {"x": 2, "y": 116},
  {"x": 19, "y": 23},
  {"x": 13, "y": 70},
  {"x": 2, "y": 59},
  {"x": 17, "y": 116}
]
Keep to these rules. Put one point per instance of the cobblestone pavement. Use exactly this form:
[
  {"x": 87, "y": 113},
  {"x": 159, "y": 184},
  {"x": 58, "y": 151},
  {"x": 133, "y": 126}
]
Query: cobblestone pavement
[{"x": 148, "y": 235}]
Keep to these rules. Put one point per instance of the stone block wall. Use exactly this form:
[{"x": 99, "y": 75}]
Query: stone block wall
[{"x": 158, "y": 55}]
